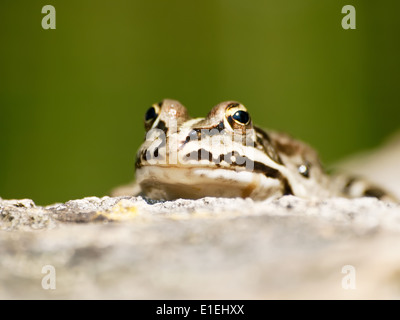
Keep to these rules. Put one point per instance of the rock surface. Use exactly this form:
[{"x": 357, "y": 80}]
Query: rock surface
[
  {"x": 130, "y": 248},
  {"x": 212, "y": 248}
]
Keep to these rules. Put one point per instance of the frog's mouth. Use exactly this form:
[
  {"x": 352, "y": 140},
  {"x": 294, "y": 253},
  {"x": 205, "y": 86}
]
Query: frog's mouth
[{"x": 168, "y": 183}]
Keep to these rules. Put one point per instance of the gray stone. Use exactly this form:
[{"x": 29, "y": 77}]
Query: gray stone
[{"x": 211, "y": 248}]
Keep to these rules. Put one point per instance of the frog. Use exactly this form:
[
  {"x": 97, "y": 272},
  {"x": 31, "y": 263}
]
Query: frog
[{"x": 225, "y": 154}]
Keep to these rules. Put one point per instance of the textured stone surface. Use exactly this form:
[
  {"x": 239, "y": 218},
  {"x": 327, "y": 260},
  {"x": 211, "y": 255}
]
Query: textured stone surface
[
  {"x": 133, "y": 248},
  {"x": 209, "y": 248}
]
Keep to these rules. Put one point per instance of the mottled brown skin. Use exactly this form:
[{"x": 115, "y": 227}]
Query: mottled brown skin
[{"x": 292, "y": 164}]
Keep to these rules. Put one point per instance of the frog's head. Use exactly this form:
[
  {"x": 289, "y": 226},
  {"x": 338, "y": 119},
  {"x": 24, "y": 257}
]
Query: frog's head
[{"x": 219, "y": 155}]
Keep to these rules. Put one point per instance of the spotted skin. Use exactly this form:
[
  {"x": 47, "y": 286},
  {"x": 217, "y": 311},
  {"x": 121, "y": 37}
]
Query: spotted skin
[{"x": 225, "y": 155}]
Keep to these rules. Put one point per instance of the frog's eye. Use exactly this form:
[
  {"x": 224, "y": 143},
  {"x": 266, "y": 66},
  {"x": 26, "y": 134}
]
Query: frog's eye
[
  {"x": 151, "y": 115},
  {"x": 241, "y": 117},
  {"x": 237, "y": 116}
]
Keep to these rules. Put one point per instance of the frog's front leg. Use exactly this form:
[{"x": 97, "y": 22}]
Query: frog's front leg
[{"x": 132, "y": 189}]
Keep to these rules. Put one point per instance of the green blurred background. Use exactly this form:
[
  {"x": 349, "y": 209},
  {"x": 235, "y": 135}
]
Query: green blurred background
[{"x": 72, "y": 99}]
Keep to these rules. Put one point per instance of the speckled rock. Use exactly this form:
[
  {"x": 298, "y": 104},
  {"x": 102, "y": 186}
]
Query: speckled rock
[{"x": 211, "y": 248}]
